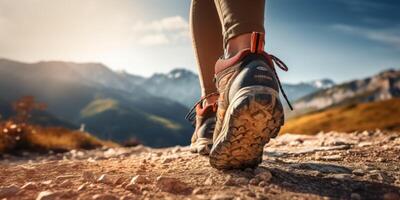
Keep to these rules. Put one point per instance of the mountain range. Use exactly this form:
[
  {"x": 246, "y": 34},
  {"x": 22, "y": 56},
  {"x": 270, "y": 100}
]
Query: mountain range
[
  {"x": 183, "y": 86},
  {"x": 119, "y": 106},
  {"x": 110, "y": 104},
  {"x": 383, "y": 86},
  {"x": 365, "y": 104}
]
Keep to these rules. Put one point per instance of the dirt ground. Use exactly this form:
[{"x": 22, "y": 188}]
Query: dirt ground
[{"x": 360, "y": 165}]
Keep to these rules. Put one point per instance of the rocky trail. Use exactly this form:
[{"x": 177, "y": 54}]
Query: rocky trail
[{"x": 360, "y": 165}]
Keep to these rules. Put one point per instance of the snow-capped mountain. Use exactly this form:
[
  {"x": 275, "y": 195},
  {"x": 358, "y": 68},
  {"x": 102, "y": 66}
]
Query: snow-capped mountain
[
  {"x": 385, "y": 85},
  {"x": 180, "y": 85},
  {"x": 322, "y": 83}
]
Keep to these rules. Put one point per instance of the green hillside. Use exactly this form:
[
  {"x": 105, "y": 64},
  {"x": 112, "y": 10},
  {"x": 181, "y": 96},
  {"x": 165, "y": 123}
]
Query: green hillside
[
  {"x": 354, "y": 117},
  {"x": 111, "y": 119}
]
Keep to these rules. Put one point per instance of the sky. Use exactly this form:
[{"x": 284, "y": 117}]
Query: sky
[{"x": 337, "y": 39}]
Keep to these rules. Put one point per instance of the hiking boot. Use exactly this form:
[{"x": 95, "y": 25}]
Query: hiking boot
[
  {"x": 204, "y": 121},
  {"x": 249, "y": 110}
]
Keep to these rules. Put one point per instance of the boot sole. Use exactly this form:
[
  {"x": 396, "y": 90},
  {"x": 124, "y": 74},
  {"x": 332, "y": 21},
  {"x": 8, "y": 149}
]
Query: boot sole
[{"x": 254, "y": 116}]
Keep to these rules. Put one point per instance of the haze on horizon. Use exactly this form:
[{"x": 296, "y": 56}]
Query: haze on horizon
[{"x": 337, "y": 39}]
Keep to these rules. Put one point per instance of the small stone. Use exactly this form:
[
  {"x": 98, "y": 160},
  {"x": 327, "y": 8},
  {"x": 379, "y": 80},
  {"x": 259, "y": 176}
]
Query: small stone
[
  {"x": 48, "y": 182},
  {"x": 364, "y": 144},
  {"x": 254, "y": 181},
  {"x": 355, "y": 196},
  {"x": 105, "y": 179},
  {"x": 242, "y": 181},
  {"x": 66, "y": 183},
  {"x": 139, "y": 179},
  {"x": 47, "y": 195},
  {"x": 8, "y": 191},
  {"x": 222, "y": 196},
  {"x": 172, "y": 185},
  {"x": 358, "y": 172},
  {"x": 391, "y": 196},
  {"x": 29, "y": 186},
  {"x": 340, "y": 176},
  {"x": 367, "y": 133},
  {"x": 262, "y": 184},
  {"x": 110, "y": 153},
  {"x": 104, "y": 197},
  {"x": 197, "y": 191},
  {"x": 82, "y": 187},
  {"x": 265, "y": 176},
  {"x": 381, "y": 159},
  {"x": 209, "y": 181}
]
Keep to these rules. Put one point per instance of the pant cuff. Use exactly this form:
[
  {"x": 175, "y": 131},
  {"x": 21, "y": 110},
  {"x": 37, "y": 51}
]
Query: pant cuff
[{"x": 241, "y": 28}]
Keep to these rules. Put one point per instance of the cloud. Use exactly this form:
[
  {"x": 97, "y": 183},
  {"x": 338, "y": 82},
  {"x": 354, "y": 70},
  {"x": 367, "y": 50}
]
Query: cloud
[
  {"x": 174, "y": 23},
  {"x": 388, "y": 36},
  {"x": 154, "y": 39},
  {"x": 168, "y": 30}
]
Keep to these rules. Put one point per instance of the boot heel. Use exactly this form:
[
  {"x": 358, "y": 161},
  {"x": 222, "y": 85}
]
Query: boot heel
[{"x": 254, "y": 115}]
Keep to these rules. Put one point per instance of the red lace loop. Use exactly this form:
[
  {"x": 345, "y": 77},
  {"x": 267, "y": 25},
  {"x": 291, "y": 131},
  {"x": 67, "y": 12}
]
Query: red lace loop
[
  {"x": 279, "y": 62},
  {"x": 191, "y": 115}
]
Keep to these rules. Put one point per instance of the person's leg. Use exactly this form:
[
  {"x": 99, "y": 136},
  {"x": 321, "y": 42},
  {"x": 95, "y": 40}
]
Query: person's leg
[
  {"x": 239, "y": 18},
  {"x": 249, "y": 110},
  {"x": 207, "y": 41}
]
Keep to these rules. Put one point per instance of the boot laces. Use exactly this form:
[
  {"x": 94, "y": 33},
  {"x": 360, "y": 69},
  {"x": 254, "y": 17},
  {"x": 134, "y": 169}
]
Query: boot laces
[
  {"x": 283, "y": 67},
  {"x": 191, "y": 115}
]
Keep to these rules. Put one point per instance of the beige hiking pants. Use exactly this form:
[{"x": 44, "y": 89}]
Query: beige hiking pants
[{"x": 213, "y": 23}]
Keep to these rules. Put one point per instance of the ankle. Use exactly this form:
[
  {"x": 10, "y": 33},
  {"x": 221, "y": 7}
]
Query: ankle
[{"x": 237, "y": 44}]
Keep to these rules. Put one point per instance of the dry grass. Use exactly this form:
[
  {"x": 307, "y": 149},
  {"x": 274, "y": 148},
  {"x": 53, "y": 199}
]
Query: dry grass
[
  {"x": 15, "y": 138},
  {"x": 17, "y": 134},
  {"x": 365, "y": 116}
]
